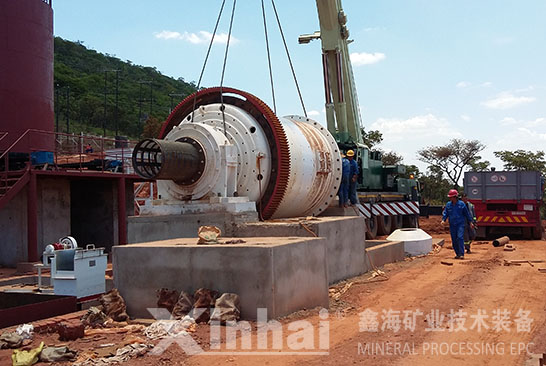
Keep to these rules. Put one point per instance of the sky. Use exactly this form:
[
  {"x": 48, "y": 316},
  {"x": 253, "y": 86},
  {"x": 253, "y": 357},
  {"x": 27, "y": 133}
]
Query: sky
[{"x": 426, "y": 71}]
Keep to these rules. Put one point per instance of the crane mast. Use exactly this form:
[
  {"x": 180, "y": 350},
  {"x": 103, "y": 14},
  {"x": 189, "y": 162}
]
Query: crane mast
[{"x": 342, "y": 108}]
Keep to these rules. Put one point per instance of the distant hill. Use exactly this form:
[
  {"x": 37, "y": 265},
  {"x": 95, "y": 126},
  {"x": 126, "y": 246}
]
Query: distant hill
[{"x": 82, "y": 70}]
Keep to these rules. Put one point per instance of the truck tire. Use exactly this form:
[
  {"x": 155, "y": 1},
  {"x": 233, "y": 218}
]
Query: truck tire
[
  {"x": 537, "y": 232},
  {"x": 527, "y": 232},
  {"x": 371, "y": 228},
  {"x": 384, "y": 224},
  {"x": 411, "y": 221},
  {"x": 397, "y": 222}
]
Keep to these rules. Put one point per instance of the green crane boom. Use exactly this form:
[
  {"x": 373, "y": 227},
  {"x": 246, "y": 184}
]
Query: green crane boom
[{"x": 342, "y": 109}]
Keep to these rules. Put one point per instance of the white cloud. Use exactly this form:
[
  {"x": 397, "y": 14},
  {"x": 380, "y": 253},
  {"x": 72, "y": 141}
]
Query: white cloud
[
  {"x": 465, "y": 117},
  {"x": 508, "y": 121},
  {"x": 407, "y": 136},
  {"x": 363, "y": 58},
  {"x": 487, "y": 84},
  {"x": 196, "y": 38},
  {"x": 463, "y": 84},
  {"x": 423, "y": 126},
  {"x": 506, "y": 100},
  {"x": 524, "y": 90},
  {"x": 313, "y": 113}
]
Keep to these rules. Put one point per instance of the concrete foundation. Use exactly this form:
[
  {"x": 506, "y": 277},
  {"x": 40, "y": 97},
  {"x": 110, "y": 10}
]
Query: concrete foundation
[
  {"x": 381, "y": 252},
  {"x": 142, "y": 229},
  {"x": 282, "y": 275},
  {"x": 345, "y": 240}
]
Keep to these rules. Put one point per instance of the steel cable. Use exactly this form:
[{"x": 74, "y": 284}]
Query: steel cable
[
  {"x": 269, "y": 60},
  {"x": 207, "y": 57},
  {"x": 289, "y": 58},
  {"x": 222, "y": 108}
]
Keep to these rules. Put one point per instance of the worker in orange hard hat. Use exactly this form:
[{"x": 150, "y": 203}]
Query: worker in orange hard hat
[
  {"x": 458, "y": 215},
  {"x": 353, "y": 177}
]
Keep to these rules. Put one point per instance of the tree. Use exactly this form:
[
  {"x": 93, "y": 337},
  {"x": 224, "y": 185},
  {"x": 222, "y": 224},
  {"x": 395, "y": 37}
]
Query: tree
[
  {"x": 479, "y": 166},
  {"x": 452, "y": 158},
  {"x": 371, "y": 138},
  {"x": 391, "y": 158},
  {"x": 522, "y": 160},
  {"x": 152, "y": 128},
  {"x": 434, "y": 187}
]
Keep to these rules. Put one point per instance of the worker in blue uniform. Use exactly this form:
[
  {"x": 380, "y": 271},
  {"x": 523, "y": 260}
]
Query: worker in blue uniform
[
  {"x": 353, "y": 177},
  {"x": 343, "y": 192},
  {"x": 457, "y": 213}
]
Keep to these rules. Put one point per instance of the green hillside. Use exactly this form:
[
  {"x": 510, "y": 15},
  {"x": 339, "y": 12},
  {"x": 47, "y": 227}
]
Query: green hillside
[{"x": 82, "y": 71}]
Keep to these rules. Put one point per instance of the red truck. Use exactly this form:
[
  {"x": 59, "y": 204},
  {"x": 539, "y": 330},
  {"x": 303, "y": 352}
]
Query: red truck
[{"x": 506, "y": 202}]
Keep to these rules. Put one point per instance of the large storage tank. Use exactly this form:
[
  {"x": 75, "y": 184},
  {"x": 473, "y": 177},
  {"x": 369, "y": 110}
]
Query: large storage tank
[{"x": 26, "y": 72}]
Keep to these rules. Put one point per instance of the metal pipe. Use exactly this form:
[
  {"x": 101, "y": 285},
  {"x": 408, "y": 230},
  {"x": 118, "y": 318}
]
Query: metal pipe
[
  {"x": 501, "y": 241},
  {"x": 326, "y": 74},
  {"x": 122, "y": 213},
  {"x": 182, "y": 161},
  {"x": 32, "y": 219}
]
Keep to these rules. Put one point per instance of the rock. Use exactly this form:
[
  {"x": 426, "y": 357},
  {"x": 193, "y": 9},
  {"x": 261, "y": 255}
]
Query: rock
[
  {"x": 183, "y": 306},
  {"x": 57, "y": 354},
  {"x": 71, "y": 330},
  {"x": 94, "y": 317},
  {"x": 204, "y": 299},
  {"x": 11, "y": 340},
  {"x": 167, "y": 299},
  {"x": 113, "y": 305},
  {"x": 227, "y": 308}
]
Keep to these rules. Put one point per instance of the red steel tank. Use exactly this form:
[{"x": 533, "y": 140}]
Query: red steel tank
[{"x": 26, "y": 73}]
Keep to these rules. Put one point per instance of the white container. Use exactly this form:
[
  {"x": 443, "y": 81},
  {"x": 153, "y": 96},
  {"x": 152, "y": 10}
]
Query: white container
[
  {"x": 79, "y": 272},
  {"x": 416, "y": 241}
]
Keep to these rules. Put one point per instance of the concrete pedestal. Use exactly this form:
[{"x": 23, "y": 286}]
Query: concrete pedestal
[
  {"x": 282, "y": 275},
  {"x": 345, "y": 240}
]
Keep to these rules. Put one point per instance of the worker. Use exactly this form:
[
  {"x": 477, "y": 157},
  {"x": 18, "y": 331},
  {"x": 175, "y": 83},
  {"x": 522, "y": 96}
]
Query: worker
[
  {"x": 457, "y": 213},
  {"x": 343, "y": 192},
  {"x": 88, "y": 149},
  {"x": 470, "y": 227},
  {"x": 353, "y": 177}
]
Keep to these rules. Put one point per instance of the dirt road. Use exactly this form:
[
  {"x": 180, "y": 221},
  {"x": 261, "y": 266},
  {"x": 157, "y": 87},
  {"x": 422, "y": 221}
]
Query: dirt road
[{"x": 480, "y": 287}]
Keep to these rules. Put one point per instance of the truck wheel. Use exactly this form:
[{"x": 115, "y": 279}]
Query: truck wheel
[
  {"x": 384, "y": 225},
  {"x": 371, "y": 228},
  {"x": 537, "y": 232},
  {"x": 397, "y": 222},
  {"x": 411, "y": 221},
  {"x": 527, "y": 233}
]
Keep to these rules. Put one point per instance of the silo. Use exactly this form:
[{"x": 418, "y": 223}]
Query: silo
[{"x": 26, "y": 72}]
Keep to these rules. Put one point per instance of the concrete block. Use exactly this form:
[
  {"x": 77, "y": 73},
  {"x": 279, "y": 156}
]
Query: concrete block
[
  {"x": 345, "y": 240},
  {"x": 282, "y": 275},
  {"x": 383, "y": 252},
  {"x": 142, "y": 229}
]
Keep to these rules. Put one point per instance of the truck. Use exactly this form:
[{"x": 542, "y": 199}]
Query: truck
[
  {"x": 388, "y": 199},
  {"x": 506, "y": 202}
]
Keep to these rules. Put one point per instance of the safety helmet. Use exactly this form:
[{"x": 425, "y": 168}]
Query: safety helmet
[
  {"x": 350, "y": 153},
  {"x": 452, "y": 193}
]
